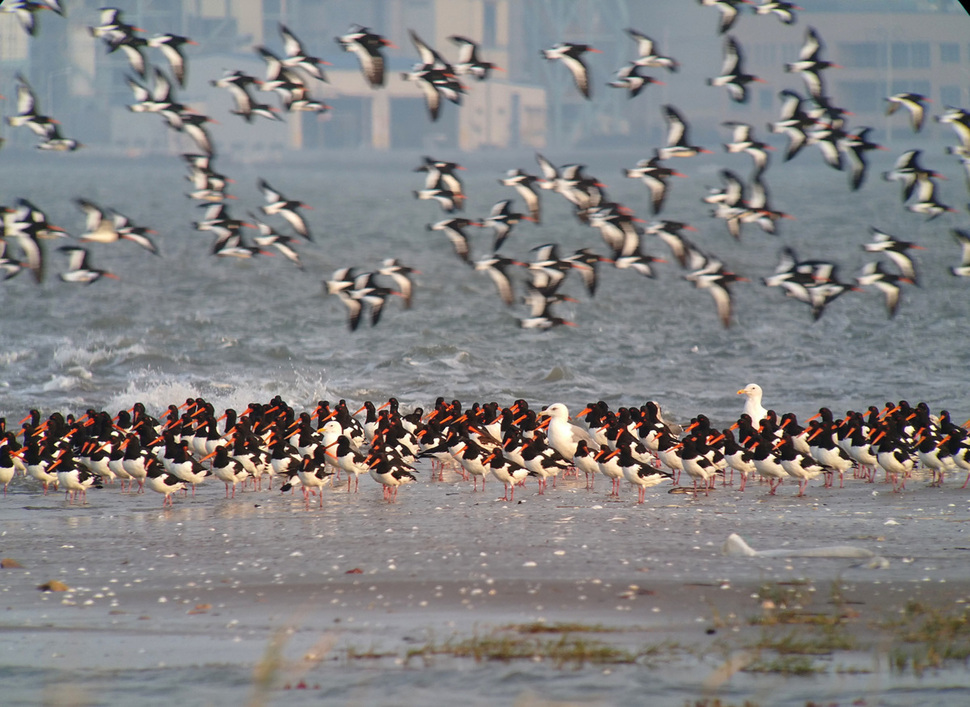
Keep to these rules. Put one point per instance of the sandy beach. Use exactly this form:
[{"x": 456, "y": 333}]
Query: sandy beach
[{"x": 256, "y": 599}]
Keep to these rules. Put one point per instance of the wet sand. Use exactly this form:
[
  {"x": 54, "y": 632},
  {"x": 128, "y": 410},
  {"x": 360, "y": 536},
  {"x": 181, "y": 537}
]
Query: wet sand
[{"x": 190, "y": 603}]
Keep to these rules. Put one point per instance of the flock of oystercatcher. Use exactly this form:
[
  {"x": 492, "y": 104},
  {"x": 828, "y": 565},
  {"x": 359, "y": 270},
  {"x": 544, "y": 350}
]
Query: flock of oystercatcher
[
  {"x": 311, "y": 449},
  {"x": 806, "y": 120}
]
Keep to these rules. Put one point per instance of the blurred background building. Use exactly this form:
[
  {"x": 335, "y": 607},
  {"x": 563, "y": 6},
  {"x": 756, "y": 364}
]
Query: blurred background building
[{"x": 885, "y": 46}]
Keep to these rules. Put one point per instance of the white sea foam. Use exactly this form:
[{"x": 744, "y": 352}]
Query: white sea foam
[
  {"x": 68, "y": 382},
  {"x": 95, "y": 353},
  {"x": 158, "y": 390},
  {"x": 10, "y": 357}
]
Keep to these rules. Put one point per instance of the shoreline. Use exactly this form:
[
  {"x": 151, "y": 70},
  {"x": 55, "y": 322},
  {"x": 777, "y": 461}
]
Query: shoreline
[{"x": 217, "y": 582}]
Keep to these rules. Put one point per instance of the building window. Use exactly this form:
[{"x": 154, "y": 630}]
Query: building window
[
  {"x": 489, "y": 24},
  {"x": 764, "y": 55},
  {"x": 272, "y": 16},
  {"x": 951, "y": 96},
  {"x": 920, "y": 55},
  {"x": 766, "y": 98},
  {"x": 910, "y": 55},
  {"x": 417, "y": 14},
  {"x": 864, "y": 96},
  {"x": 790, "y": 52},
  {"x": 13, "y": 41},
  {"x": 862, "y": 55},
  {"x": 921, "y": 86},
  {"x": 950, "y": 53},
  {"x": 900, "y": 55}
]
